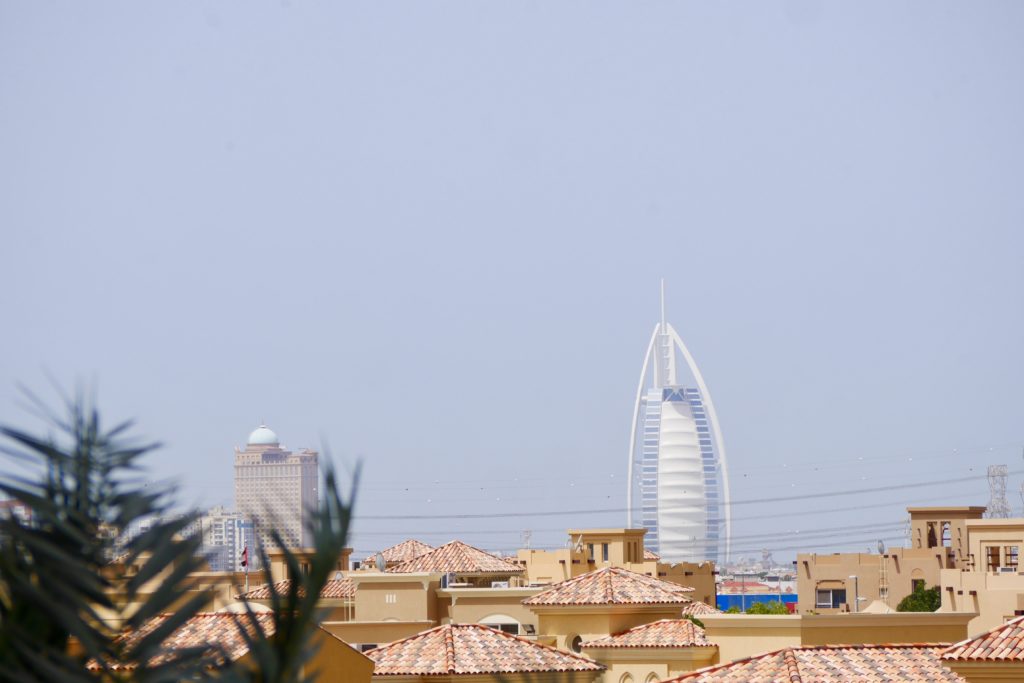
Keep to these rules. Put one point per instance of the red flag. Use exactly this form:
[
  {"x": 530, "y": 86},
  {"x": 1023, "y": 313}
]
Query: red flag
[{"x": 245, "y": 558}]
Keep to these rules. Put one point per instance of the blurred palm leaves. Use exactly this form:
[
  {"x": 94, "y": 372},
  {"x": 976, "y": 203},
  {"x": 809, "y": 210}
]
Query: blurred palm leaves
[{"x": 64, "y": 601}]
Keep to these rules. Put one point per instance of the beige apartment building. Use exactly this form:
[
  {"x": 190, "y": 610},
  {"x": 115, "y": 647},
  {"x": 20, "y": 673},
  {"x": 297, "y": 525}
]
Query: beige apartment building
[
  {"x": 849, "y": 582},
  {"x": 590, "y": 549},
  {"x": 990, "y": 581},
  {"x": 276, "y": 488}
]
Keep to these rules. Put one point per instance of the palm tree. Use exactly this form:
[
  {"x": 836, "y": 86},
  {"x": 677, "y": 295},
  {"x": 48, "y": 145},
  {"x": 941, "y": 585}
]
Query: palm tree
[{"x": 81, "y": 490}]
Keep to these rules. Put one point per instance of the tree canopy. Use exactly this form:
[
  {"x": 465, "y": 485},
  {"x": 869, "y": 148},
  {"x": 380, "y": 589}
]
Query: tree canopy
[
  {"x": 769, "y": 607},
  {"x": 921, "y": 600}
]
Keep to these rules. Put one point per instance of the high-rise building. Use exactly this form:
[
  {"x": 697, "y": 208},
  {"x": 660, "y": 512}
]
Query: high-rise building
[
  {"x": 678, "y": 481},
  {"x": 276, "y": 488},
  {"x": 226, "y": 534}
]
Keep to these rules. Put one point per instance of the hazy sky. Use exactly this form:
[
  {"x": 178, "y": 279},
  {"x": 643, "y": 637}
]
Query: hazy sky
[{"x": 431, "y": 234}]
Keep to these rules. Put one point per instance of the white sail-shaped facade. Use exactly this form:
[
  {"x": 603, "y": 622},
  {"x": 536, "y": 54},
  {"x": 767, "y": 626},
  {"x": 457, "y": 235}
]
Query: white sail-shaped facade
[{"x": 678, "y": 481}]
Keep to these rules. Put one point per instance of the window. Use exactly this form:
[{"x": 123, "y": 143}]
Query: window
[
  {"x": 830, "y": 598},
  {"x": 916, "y": 585},
  {"x": 506, "y": 628},
  {"x": 575, "y": 643},
  {"x": 1010, "y": 553},
  {"x": 590, "y": 550},
  {"x": 604, "y": 552},
  {"x": 992, "y": 558}
]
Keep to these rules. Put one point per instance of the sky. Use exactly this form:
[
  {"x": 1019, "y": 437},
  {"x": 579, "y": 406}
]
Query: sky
[{"x": 428, "y": 238}]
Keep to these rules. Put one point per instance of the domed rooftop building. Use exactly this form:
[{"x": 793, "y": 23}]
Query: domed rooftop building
[
  {"x": 276, "y": 488},
  {"x": 263, "y": 436}
]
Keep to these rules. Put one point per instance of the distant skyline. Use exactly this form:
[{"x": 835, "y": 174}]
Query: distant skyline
[{"x": 429, "y": 236}]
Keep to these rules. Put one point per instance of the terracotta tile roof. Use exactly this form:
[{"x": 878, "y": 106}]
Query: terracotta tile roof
[
  {"x": 909, "y": 663},
  {"x": 612, "y": 586},
  {"x": 695, "y": 608},
  {"x": 1004, "y": 643},
  {"x": 403, "y": 552},
  {"x": 460, "y": 558},
  {"x": 664, "y": 633},
  {"x": 336, "y": 589},
  {"x": 651, "y": 555},
  {"x": 471, "y": 649},
  {"x": 212, "y": 629}
]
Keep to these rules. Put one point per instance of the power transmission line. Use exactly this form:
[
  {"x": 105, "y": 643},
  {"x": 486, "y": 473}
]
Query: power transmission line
[{"x": 753, "y": 501}]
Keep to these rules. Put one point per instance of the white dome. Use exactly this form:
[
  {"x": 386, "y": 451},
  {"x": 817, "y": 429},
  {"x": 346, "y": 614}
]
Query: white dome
[{"x": 262, "y": 436}]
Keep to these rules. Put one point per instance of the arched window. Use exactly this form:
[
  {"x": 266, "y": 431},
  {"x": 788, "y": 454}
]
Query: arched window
[
  {"x": 626, "y": 678},
  {"x": 652, "y": 678}
]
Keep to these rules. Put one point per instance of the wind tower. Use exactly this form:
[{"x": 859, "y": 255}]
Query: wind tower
[{"x": 678, "y": 479}]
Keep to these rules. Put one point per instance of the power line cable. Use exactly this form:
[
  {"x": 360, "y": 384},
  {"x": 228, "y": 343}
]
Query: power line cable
[{"x": 752, "y": 501}]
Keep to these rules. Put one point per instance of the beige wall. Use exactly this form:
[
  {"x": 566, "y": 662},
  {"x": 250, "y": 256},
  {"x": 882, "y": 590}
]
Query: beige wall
[
  {"x": 279, "y": 568},
  {"x": 928, "y": 528},
  {"x": 395, "y": 597},
  {"x": 622, "y": 546},
  {"x": 699, "y": 577},
  {"x": 223, "y": 587},
  {"x": 939, "y": 540},
  {"x": 993, "y": 594},
  {"x": 336, "y": 662},
  {"x": 900, "y": 627},
  {"x": 642, "y": 665},
  {"x": 746, "y": 635},
  {"x": 375, "y": 632},
  {"x": 899, "y": 567},
  {"x": 477, "y": 605}
]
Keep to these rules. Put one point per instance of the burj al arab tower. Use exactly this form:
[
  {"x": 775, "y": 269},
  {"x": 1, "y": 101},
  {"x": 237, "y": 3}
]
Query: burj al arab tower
[{"x": 678, "y": 480}]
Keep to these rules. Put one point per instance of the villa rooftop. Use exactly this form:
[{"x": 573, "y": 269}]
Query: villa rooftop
[
  {"x": 401, "y": 552},
  {"x": 468, "y": 649},
  {"x": 1004, "y": 643},
  {"x": 664, "y": 633},
  {"x": 459, "y": 558},
  {"x": 335, "y": 589},
  {"x": 612, "y": 586},
  {"x": 906, "y": 663},
  {"x": 696, "y": 608},
  {"x": 210, "y": 630}
]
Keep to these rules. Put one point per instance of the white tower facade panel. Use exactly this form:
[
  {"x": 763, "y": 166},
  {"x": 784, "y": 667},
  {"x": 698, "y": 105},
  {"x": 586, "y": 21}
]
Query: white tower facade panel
[{"x": 682, "y": 500}]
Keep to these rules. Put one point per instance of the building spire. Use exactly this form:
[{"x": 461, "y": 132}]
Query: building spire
[{"x": 663, "y": 305}]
